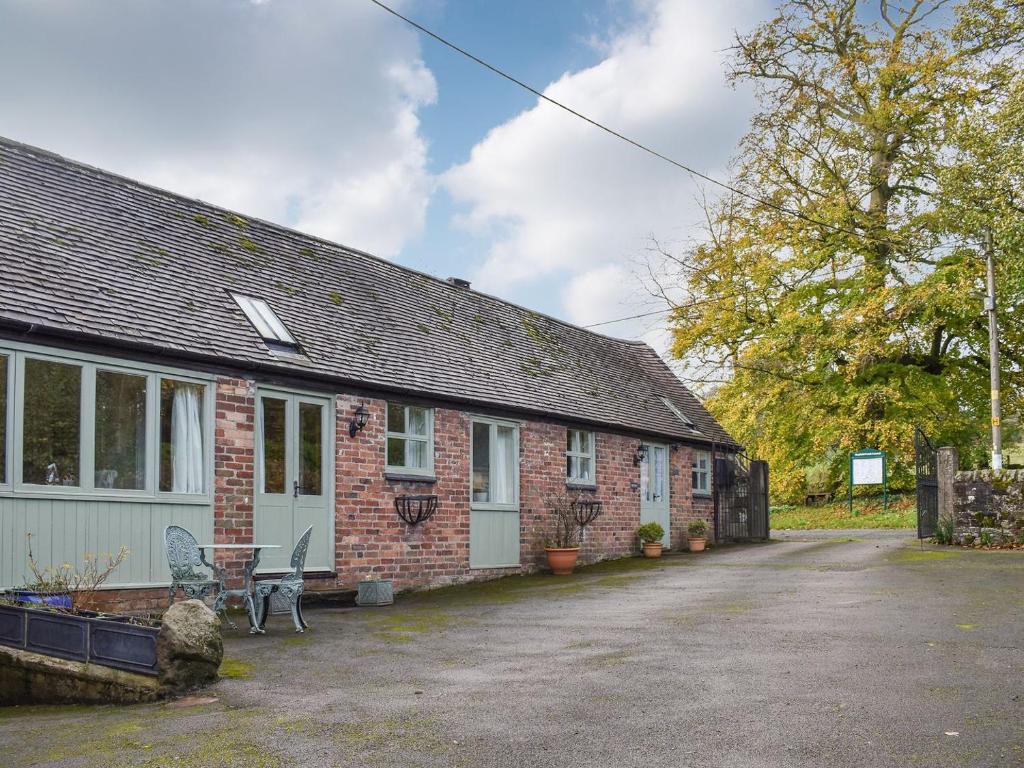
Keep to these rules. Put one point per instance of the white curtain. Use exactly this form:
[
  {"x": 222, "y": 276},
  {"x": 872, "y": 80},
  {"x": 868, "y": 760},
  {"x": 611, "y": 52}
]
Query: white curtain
[
  {"x": 186, "y": 441},
  {"x": 502, "y": 482}
]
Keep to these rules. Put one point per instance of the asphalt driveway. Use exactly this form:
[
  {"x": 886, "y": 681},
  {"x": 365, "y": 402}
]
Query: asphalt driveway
[{"x": 820, "y": 650}]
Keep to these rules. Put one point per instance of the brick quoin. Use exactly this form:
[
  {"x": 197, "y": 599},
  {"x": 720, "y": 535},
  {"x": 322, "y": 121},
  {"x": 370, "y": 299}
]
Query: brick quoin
[
  {"x": 370, "y": 540},
  {"x": 234, "y": 457}
]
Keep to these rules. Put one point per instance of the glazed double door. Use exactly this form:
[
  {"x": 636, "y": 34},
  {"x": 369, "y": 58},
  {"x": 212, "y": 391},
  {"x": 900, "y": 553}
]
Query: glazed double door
[{"x": 294, "y": 469}]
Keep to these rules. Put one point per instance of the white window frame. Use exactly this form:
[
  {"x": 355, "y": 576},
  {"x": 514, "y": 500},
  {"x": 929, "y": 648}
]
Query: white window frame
[
  {"x": 695, "y": 456},
  {"x": 389, "y": 434},
  {"x": 512, "y": 506},
  {"x": 18, "y": 353},
  {"x": 591, "y": 455}
]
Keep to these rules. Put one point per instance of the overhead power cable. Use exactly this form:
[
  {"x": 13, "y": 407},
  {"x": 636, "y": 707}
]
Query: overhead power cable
[
  {"x": 709, "y": 300},
  {"x": 643, "y": 147}
]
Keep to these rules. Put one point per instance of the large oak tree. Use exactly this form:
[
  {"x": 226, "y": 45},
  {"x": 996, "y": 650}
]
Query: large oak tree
[{"x": 837, "y": 299}]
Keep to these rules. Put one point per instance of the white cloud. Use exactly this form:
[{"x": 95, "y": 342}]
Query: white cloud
[
  {"x": 556, "y": 196},
  {"x": 303, "y": 113}
]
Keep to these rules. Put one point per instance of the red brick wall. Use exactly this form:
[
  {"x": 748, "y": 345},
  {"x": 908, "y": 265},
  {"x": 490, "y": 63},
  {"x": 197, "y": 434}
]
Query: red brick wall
[
  {"x": 234, "y": 469},
  {"x": 370, "y": 539}
]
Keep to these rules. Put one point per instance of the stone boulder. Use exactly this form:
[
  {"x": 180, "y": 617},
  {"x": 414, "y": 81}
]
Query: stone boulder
[{"x": 189, "y": 648}]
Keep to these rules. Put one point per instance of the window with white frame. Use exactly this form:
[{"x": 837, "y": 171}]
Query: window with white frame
[
  {"x": 410, "y": 439},
  {"x": 495, "y": 464},
  {"x": 701, "y": 473},
  {"x": 579, "y": 456},
  {"x": 86, "y": 425}
]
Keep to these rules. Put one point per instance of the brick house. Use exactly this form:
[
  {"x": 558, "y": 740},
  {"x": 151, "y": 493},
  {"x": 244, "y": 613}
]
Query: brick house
[{"x": 166, "y": 361}]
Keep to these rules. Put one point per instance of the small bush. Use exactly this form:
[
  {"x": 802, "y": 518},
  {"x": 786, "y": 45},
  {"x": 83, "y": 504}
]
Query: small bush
[
  {"x": 968, "y": 540},
  {"x": 698, "y": 529},
  {"x": 650, "y": 533},
  {"x": 987, "y": 539},
  {"x": 944, "y": 530}
]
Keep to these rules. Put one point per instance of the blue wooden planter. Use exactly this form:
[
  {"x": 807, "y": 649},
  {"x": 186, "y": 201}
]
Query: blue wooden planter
[
  {"x": 375, "y": 593},
  {"x": 109, "y": 642},
  {"x": 57, "y": 601}
]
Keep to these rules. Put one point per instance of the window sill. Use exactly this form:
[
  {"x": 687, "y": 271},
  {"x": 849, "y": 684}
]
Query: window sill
[
  {"x": 401, "y": 477},
  {"x": 581, "y": 485},
  {"x": 701, "y": 495},
  {"x": 138, "y": 497}
]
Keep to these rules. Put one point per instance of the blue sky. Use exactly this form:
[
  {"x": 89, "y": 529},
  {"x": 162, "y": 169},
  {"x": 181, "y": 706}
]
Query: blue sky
[
  {"x": 333, "y": 117},
  {"x": 533, "y": 40}
]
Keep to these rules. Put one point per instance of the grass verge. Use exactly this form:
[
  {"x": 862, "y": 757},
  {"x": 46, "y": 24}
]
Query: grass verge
[{"x": 867, "y": 513}]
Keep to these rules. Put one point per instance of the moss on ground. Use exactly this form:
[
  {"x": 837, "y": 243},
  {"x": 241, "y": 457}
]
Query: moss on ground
[
  {"x": 912, "y": 555},
  {"x": 235, "y": 669}
]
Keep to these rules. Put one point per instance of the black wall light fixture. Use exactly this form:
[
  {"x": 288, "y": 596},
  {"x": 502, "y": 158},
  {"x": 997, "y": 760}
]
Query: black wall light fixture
[
  {"x": 359, "y": 420},
  {"x": 640, "y": 456}
]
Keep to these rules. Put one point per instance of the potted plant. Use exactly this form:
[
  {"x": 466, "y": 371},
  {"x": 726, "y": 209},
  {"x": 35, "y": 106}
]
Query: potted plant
[
  {"x": 562, "y": 546},
  {"x": 697, "y": 533},
  {"x": 651, "y": 535}
]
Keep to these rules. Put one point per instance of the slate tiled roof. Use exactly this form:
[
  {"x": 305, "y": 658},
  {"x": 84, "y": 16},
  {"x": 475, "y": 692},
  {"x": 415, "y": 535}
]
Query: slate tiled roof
[{"x": 88, "y": 252}]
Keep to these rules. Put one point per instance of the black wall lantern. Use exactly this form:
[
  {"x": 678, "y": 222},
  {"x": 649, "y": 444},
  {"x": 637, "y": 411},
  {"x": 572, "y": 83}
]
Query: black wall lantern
[
  {"x": 640, "y": 456},
  {"x": 359, "y": 420}
]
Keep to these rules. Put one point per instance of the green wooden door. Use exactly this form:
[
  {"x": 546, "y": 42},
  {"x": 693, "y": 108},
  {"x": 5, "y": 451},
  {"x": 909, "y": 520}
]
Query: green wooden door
[
  {"x": 654, "y": 489},
  {"x": 293, "y": 478},
  {"x": 494, "y": 524}
]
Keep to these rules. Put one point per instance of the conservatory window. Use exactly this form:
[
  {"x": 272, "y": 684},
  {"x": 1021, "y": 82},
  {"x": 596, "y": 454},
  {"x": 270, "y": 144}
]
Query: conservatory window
[
  {"x": 51, "y": 447},
  {"x": 182, "y": 464},
  {"x": 120, "y": 430},
  {"x": 5, "y": 368}
]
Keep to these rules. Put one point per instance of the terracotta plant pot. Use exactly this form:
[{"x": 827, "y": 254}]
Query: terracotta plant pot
[
  {"x": 697, "y": 545},
  {"x": 652, "y": 549},
  {"x": 562, "y": 560}
]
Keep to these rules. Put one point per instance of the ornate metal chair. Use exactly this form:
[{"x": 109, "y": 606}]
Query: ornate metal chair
[
  {"x": 289, "y": 586},
  {"x": 184, "y": 556}
]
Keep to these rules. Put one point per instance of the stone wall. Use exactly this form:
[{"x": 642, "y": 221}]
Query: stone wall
[{"x": 988, "y": 507}]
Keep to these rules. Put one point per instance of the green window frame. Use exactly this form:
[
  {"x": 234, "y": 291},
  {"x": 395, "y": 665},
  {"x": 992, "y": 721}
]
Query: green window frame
[
  {"x": 701, "y": 461},
  {"x": 580, "y": 457},
  {"x": 492, "y": 429},
  {"x": 6, "y": 417},
  {"x": 399, "y": 439},
  {"x": 143, "y": 443}
]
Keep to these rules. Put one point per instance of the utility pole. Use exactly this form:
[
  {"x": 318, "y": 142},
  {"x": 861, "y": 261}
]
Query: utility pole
[{"x": 993, "y": 352}]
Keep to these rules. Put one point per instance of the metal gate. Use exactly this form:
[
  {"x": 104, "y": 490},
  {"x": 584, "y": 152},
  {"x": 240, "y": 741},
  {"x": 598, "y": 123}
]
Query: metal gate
[
  {"x": 926, "y": 470},
  {"x": 741, "y": 498}
]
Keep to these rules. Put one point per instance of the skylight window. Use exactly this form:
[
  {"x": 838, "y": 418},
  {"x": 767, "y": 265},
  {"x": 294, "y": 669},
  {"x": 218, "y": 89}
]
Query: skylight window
[
  {"x": 679, "y": 414},
  {"x": 264, "y": 320}
]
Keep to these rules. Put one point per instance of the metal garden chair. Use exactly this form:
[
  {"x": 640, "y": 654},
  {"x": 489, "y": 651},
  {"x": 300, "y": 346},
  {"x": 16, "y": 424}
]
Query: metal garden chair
[
  {"x": 289, "y": 586},
  {"x": 183, "y": 557}
]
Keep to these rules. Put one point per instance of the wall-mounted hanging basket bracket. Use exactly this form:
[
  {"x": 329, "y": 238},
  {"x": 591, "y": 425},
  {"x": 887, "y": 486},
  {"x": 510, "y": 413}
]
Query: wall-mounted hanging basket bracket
[
  {"x": 415, "y": 509},
  {"x": 586, "y": 511}
]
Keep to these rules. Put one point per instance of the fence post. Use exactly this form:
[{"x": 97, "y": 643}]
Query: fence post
[{"x": 947, "y": 463}]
